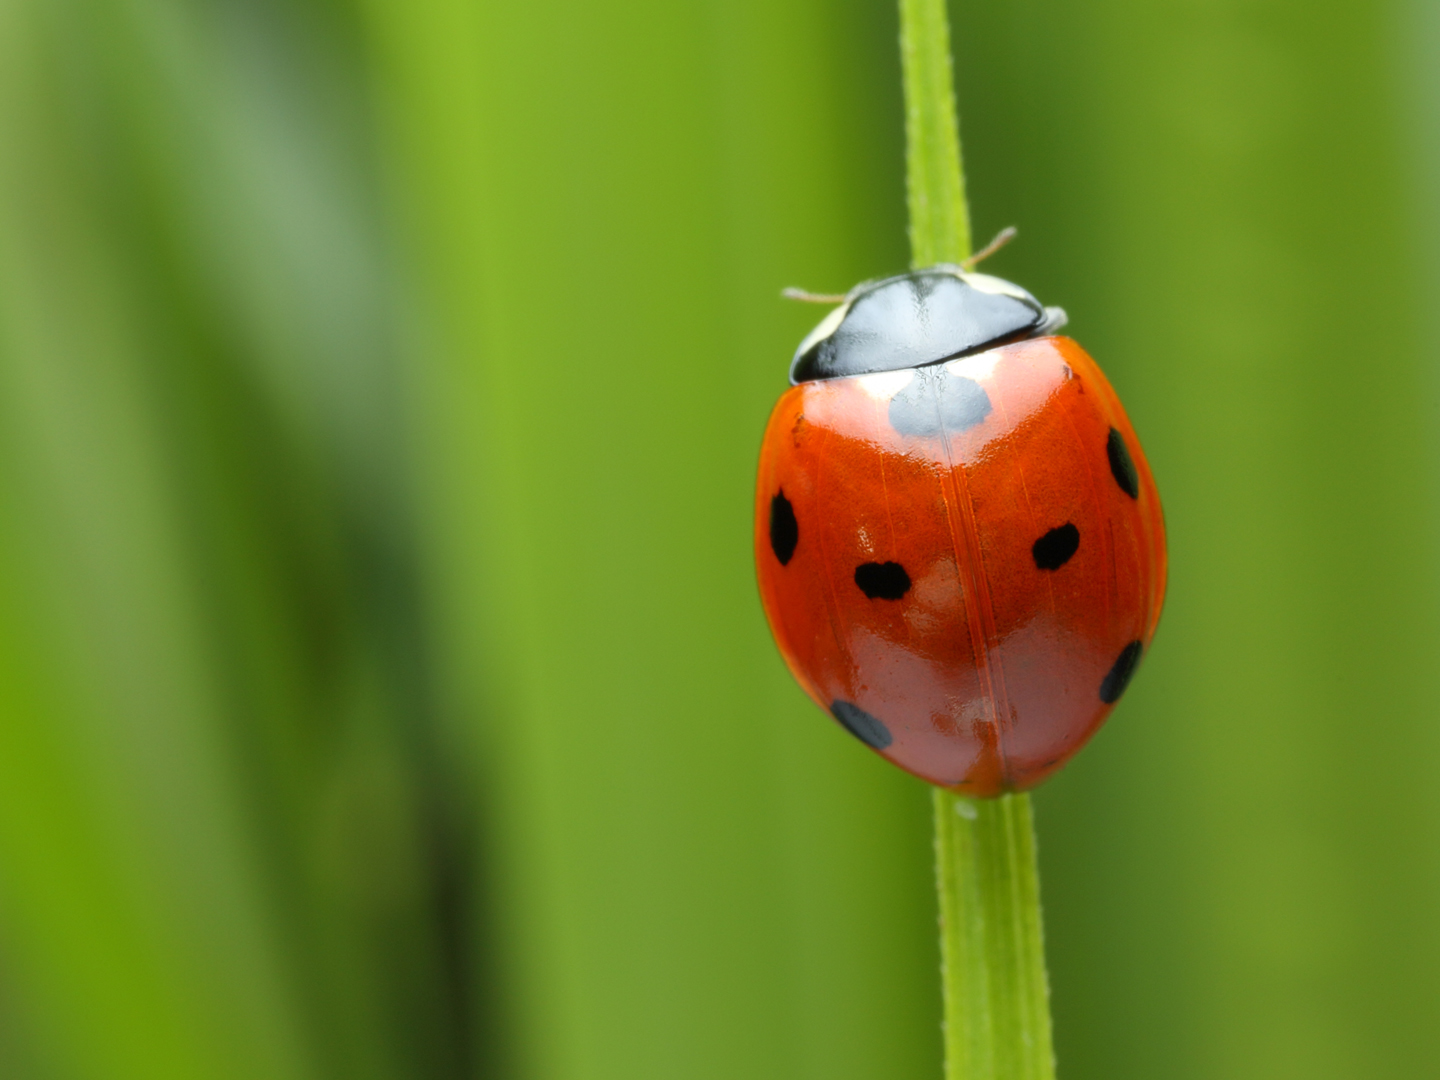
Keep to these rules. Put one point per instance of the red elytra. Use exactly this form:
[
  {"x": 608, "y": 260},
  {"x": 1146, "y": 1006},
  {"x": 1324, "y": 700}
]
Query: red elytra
[{"x": 962, "y": 562}]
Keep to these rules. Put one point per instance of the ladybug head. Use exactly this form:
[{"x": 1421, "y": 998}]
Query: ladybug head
[{"x": 923, "y": 317}]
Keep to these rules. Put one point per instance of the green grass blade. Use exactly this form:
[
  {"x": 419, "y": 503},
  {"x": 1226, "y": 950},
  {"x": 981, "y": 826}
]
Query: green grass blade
[
  {"x": 226, "y": 842},
  {"x": 695, "y": 875},
  {"x": 997, "y": 1001},
  {"x": 935, "y": 178}
]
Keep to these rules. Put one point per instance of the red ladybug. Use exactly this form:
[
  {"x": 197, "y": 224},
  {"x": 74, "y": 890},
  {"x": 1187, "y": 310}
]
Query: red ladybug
[{"x": 960, "y": 547}]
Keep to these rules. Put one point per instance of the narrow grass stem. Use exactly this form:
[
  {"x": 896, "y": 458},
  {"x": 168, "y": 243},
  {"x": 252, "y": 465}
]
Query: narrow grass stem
[
  {"x": 997, "y": 1001},
  {"x": 992, "y": 947},
  {"x": 934, "y": 177}
]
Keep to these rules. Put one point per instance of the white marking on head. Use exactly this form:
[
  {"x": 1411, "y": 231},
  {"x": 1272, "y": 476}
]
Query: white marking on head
[
  {"x": 828, "y": 326},
  {"x": 996, "y": 286}
]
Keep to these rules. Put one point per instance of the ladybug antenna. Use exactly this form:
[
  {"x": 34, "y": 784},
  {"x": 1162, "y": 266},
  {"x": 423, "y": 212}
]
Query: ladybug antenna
[
  {"x": 1003, "y": 237},
  {"x": 813, "y": 297}
]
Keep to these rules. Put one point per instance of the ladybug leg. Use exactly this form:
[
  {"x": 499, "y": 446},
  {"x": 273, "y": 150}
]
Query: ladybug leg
[
  {"x": 1003, "y": 237},
  {"x": 813, "y": 298}
]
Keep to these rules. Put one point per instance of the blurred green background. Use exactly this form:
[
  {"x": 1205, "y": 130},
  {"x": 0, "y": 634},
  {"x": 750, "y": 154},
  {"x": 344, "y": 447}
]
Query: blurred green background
[{"x": 384, "y": 689}]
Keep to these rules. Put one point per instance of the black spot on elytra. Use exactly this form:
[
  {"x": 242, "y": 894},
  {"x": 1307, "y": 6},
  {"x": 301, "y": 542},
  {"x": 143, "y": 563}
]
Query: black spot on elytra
[
  {"x": 784, "y": 529},
  {"x": 937, "y": 400},
  {"x": 1053, "y": 550},
  {"x": 862, "y": 725},
  {"x": 1119, "y": 676},
  {"x": 882, "y": 581},
  {"x": 1121, "y": 466}
]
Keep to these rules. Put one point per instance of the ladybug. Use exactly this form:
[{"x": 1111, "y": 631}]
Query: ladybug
[{"x": 960, "y": 547}]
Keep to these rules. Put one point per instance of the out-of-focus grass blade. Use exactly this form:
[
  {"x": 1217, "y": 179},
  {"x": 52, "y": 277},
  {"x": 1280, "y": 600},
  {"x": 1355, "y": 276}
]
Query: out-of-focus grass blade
[
  {"x": 704, "y": 878},
  {"x": 1241, "y": 872},
  {"x": 224, "y": 847}
]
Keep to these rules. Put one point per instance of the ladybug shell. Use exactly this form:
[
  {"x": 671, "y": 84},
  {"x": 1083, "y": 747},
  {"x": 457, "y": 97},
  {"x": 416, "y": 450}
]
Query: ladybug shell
[{"x": 963, "y": 563}]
